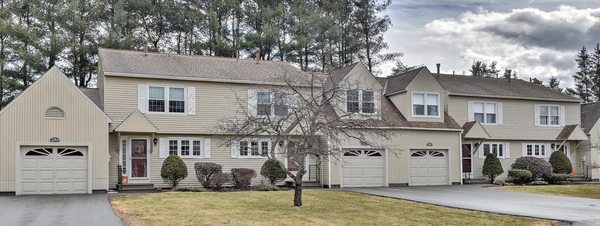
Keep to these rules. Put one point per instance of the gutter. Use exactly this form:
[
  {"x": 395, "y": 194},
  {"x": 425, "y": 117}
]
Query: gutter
[{"x": 512, "y": 97}]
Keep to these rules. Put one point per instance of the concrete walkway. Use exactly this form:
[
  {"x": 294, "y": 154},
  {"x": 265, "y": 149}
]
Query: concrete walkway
[
  {"x": 579, "y": 211},
  {"x": 76, "y": 210}
]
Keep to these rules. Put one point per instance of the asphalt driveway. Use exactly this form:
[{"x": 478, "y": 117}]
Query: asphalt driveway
[
  {"x": 76, "y": 210},
  {"x": 579, "y": 211}
]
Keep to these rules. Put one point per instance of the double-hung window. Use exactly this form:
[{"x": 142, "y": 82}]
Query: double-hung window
[
  {"x": 254, "y": 148},
  {"x": 360, "y": 101},
  {"x": 535, "y": 150},
  {"x": 166, "y": 99},
  {"x": 425, "y": 104},
  {"x": 565, "y": 148},
  {"x": 549, "y": 115},
  {"x": 185, "y": 147},
  {"x": 271, "y": 103},
  {"x": 485, "y": 112},
  {"x": 496, "y": 148}
]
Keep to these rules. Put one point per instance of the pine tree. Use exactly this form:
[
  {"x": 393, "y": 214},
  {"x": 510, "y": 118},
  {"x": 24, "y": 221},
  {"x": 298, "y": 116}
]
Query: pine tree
[
  {"x": 371, "y": 26},
  {"x": 582, "y": 78},
  {"x": 595, "y": 72},
  {"x": 554, "y": 83}
]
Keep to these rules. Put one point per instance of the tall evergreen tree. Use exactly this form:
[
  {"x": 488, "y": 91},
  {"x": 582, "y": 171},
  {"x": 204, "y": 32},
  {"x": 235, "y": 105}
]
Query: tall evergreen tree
[
  {"x": 371, "y": 26},
  {"x": 583, "y": 81},
  {"x": 554, "y": 83},
  {"x": 595, "y": 72}
]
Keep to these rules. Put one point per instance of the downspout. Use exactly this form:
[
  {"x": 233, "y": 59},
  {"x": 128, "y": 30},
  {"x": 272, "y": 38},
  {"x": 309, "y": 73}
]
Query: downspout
[
  {"x": 328, "y": 163},
  {"x": 460, "y": 163}
]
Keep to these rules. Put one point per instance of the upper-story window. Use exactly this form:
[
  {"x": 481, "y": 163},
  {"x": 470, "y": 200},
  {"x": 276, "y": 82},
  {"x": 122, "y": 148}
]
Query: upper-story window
[
  {"x": 485, "y": 112},
  {"x": 425, "y": 104},
  {"x": 271, "y": 103},
  {"x": 549, "y": 115},
  {"x": 166, "y": 99},
  {"x": 360, "y": 101}
]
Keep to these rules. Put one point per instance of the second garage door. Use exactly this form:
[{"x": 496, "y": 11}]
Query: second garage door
[
  {"x": 54, "y": 170},
  {"x": 428, "y": 167},
  {"x": 363, "y": 168}
]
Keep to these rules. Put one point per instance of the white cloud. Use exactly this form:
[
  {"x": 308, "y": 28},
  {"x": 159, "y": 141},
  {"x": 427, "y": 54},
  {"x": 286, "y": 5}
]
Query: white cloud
[{"x": 531, "y": 41}]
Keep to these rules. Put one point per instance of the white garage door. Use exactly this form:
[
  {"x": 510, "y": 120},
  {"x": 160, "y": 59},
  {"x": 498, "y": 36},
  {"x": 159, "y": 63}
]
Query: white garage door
[
  {"x": 54, "y": 170},
  {"x": 363, "y": 168},
  {"x": 428, "y": 167}
]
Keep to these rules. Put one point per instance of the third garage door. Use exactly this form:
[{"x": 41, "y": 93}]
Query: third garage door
[{"x": 428, "y": 167}]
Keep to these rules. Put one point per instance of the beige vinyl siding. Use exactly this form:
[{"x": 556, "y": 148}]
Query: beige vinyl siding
[
  {"x": 519, "y": 118},
  {"x": 516, "y": 151},
  {"x": 398, "y": 148},
  {"x": 358, "y": 78},
  {"x": 592, "y": 146},
  {"x": 23, "y": 122},
  {"x": 423, "y": 82}
]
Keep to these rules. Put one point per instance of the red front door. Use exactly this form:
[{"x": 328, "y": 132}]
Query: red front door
[{"x": 139, "y": 158}]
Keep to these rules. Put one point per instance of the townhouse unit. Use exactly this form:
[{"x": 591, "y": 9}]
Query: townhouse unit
[{"x": 57, "y": 138}]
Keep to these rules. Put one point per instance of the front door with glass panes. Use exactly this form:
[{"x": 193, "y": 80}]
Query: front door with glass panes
[{"x": 136, "y": 158}]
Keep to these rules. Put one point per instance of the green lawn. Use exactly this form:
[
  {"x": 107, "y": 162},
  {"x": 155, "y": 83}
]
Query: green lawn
[
  {"x": 581, "y": 190},
  {"x": 321, "y": 207}
]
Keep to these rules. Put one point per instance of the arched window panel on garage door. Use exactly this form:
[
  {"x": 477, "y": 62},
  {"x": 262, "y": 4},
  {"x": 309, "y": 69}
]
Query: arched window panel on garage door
[
  {"x": 436, "y": 153},
  {"x": 39, "y": 152},
  {"x": 363, "y": 153},
  {"x": 69, "y": 152},
  {"x": 419, "y": 154}
]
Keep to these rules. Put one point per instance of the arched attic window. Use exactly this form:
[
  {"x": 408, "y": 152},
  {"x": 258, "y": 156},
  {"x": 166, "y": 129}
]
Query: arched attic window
[{"x": 55, "y": 113}]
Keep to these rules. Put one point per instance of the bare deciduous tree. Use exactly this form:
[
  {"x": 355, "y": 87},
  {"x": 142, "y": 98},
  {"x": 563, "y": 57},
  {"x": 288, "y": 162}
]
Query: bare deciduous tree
[{"x": 303, "y": 116}]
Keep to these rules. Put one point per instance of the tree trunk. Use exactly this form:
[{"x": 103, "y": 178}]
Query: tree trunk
[{"x": 298, "y": 191}]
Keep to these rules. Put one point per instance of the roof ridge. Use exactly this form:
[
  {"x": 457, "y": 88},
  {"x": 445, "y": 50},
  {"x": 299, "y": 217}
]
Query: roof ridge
[
  {"x": 406, "y": 72},
  {"x": 198, "y": 56}
]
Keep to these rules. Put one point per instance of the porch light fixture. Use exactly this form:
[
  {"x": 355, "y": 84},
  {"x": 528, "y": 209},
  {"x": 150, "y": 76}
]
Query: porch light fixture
[
  {"x": 477, "y": 145},
  {"x": 155, "y": 141},
  {"x": 553, "y": 145}
]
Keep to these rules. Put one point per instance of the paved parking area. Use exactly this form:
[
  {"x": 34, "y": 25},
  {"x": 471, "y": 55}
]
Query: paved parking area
[
  {"x": 579, "y": 211},
  {"x": 76, "y": 210}
]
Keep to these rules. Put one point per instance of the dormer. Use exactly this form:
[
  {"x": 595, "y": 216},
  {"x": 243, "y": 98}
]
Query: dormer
[
  {"x": 359, "y": 91},
  {"x": 418, "y": 95}
]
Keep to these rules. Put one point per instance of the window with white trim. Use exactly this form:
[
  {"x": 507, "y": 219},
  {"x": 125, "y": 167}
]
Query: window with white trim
[
  {"x": 485, "y": 112},
  {"x": 425, "y": 104},
  {"x": 565, "y": 148},
  {"x": 166, "y": 99},
  {"x": 185, "y": 147},
  {"x": 496, "y": 148},
  {"x": 360, "y": 101},
  {"x": 254, "y": 148},
  {"x": 271, "y": 103},
  {"x": 549, "y": 115},
  {"x": 124, "y": 156},
  {"x": 535, "y": 150}
]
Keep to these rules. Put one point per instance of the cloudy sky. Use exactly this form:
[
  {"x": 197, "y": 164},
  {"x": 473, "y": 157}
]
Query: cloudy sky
[{"x": 535, "y": 38}]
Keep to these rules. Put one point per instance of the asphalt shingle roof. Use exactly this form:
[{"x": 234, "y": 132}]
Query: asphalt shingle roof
[
  {"x": 499, "y": 87},
  {"x": 94, "y": 95},
  {"x": 398, "y": 83},
  {"x": 590, "y": 113},
  {"x": 198, "y": 67}
]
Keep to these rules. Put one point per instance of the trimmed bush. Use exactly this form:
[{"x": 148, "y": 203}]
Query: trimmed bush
[
  {"x": 520, "y": 176},
  {"x": 538, "y": 167},
  {"x": 242, "y": 177},
  {"x": 557, "y": 178},
  {"x": 272, "y": 170},
  {"x": 205, "y": 171},
  {"x": 219, "y": 179},
  {"x": 560, "y": 163},
  {"x": 173, "y": 170},
  {"x": 492, "y": 167}
]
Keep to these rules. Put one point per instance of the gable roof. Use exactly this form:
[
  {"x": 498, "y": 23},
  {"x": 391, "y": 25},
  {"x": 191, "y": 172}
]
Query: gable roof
[
  {"x": 590, "y": 113},
  {"x": 54, "y": 71},
  {"x": 474, "y": 130},
  {"x": 398, "y": 83},
  {"x": 94, "y": 95},
  {"x": 571, "y": 132},
  {"x": 207, "y": 68},
  {"x": 136, "y": 122},
  {"x": 337, "y": 75},
  {"x": 461, "y": 85}
]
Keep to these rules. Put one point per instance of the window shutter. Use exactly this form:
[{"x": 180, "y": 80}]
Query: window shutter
[
  {"x": 206, "y": 144},
  {"x": 377, "y": 101},
  {"x": 506, "y": 150},
  {"x": 143, "y": 98},
  {"x": 500, "y": 113},
  {"x": 536, "y": 110},
  {"x": 523, "y": 149},
  {"x": 235, "y": 146},
  {"x": 562, "y": 115},
  {"x": 252, "y": 102},
  {"x": 163, "y": 150},
  {"x": 470, "y": 111},
  {"x": 191, "y": 100}
]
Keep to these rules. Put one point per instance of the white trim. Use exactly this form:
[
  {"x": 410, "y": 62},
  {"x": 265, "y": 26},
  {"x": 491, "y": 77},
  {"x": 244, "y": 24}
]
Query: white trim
[
  {"x": 360, "y": 102},
  {"x": 546, "y": 150},
  {"x": 18, "y": 175},
  {"x": 350, "y": 148},
  {"x": 148, "y": 155},
  {"x": 512, "y": 97},
  {"x": 460, "y": 165},
  {"x": 481, "y": 149},
  {"x": 190, "y": 144},
  {"x": 432, "y": 148},
  {"x": 485, "y": 113},
  {"x": 537, "y": 114},
  {"x": 167, "y": 98},
  {"x": 425, "y": 94},
  {"x": 250, "y": 156}
]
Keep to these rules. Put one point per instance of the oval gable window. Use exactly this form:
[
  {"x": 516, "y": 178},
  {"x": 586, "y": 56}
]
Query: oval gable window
[{"x": 55, "y": 113}]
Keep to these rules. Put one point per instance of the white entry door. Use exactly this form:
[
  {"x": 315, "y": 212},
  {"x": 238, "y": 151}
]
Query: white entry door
[
  {"x": 54, "y": 170},
  {"x": 363, "y": 168},
  {"x": 428, "y": 167}
]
